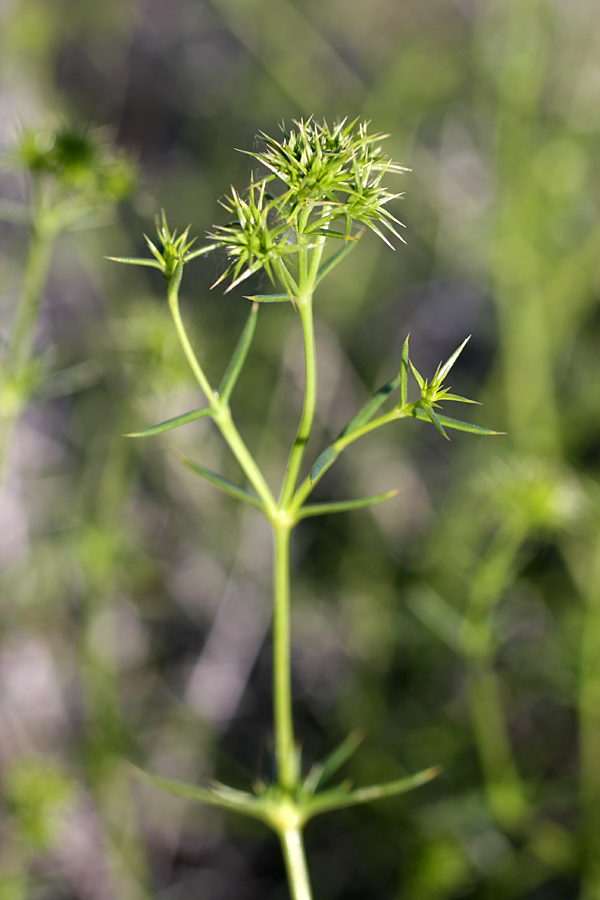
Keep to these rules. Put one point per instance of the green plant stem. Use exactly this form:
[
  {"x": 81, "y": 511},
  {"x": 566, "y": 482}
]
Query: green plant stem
[
  {"x": 34, "y": 278},
  {"x": 503, "y": 786},
  {"x": 310, "y": 399},
  {"x": 222, "y": 413},
  {"x": 20, "y": 343},
  {"x": 292, "y": 847},
  {"x": 282, "y": 681},
  {"x": 589, "y": 733},
  {"x": 173, "y": 296},
  {"x": 341, "y": 443}
]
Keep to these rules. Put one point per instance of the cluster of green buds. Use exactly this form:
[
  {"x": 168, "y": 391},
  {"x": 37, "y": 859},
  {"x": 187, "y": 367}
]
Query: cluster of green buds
[{"x": 325, "y": 175}]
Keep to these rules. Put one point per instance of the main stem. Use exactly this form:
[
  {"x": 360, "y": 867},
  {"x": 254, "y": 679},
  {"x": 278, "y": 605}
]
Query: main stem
[
  {"x": 295, "y": 863},
  {"x": 282, "y": 681}
]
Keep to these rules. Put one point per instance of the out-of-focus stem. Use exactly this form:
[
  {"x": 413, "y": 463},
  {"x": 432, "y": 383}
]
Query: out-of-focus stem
[
  {"x": 13, "y": 390},
  {"x": 589, "y": 732},
  {"x": 34, "y": 280},
  {"x": 503, "y": 787}
]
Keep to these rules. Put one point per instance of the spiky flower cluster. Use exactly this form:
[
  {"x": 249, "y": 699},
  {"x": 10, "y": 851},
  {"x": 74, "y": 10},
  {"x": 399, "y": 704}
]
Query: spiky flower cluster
[
  {"x": 174, "y": 248},
  {"x": 329, "y": 174},
  {"x": 258, "y": 238}
]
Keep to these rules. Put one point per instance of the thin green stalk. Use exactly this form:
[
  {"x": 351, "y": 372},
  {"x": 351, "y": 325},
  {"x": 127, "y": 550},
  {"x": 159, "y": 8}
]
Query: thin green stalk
[
  {"x": 342, "y": 442},
  {"x": 295, "y": 863},
  {"x": 502, "y": 783},
  {"x": 222, "y": 415},
  {"x": 21, "y": 338},
  {"x": 589, "y": 733},
  {"x": 246, "y": 460},
  {"x": 173, "y": 296},
  {"x": 308, "y": 409},
  {"x": 282, "y": 681},
  {"x": 34, "y": 279}
]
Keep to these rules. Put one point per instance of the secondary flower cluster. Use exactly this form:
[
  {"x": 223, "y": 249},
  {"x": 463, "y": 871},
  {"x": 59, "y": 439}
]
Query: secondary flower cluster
[
  {"x": 77, "y": 162},
  {"x": 328, "y": 174}
]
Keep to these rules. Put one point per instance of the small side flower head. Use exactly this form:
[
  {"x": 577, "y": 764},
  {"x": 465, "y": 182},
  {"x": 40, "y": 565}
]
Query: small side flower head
[
  {"x": 174, "y": 249},
  {"x": 434, "y": 392},
  {"x": 258, "y": 237}
]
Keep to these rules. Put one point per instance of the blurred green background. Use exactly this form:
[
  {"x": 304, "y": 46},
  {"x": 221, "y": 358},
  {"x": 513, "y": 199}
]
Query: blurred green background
[{"x": 458, "y": 624}]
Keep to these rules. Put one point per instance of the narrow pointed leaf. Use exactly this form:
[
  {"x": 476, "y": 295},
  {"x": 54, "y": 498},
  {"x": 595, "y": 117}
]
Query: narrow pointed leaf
[
  {"x": 420, "y": 379},
  {"x": 323, "y": 771},
  {"x": 239, "y": 355},
  {"x": 428, "y": 410},
  {"x": 219, "y": 482},
  {"x": 269, "y": 298},
  {"x": 336, "y": 258},
  {"x": 321, "y": 509},
  {"x": 172, "y": 423},
  {"x": 154, "y": 250},
  {"x": 330, "y": 454},
  {"x": 339, "y": 798},
  {"x": 200, "y": 251},
  {"x": 404, "y": 374},
  {"x": 326, "y": 232},
  {"x": 459, "y": 399},
  {"x": 371, "y": 406},
  {"x": 451, "y": 360},
  {"x": 212, "y": 793},
  {"x": 324, "y": 461},
  {"x": 131, "y": 261},
  {"x": 447, "y": 422}
]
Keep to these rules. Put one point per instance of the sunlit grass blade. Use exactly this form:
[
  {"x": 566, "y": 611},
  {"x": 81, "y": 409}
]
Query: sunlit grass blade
[
  {"x": 269, "y": 298},
  {"x": 169, "y": 424},
  {"x": 134, "y": 261},
  {"x": 239, "y": 355},
  {"x": 404, "y": 374},
  {"x": 321, "y": 509},
  {"x": 219, "y": 482},
  {"x": 340, "y": 798},
  {"x": 323, "y": 771},
  {"x": 447, "y": 422},
  {"x": 212, "y": 793}
]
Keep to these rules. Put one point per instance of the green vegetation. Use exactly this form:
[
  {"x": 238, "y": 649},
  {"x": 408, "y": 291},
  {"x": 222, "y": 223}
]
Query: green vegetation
[
  {"x": 328, "y": 174},
  {"x": 453, "y": 623}
]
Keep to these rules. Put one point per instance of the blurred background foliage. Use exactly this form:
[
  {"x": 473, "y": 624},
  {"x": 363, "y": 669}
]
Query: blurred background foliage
[{"x": 458, "y": 624}]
